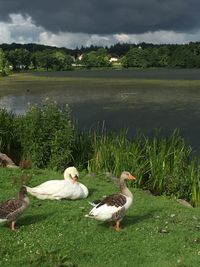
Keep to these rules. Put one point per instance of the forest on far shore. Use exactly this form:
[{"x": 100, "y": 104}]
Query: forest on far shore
[{"x": 20, "y": 57}]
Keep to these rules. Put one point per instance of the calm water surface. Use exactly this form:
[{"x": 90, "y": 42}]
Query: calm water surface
[{"x": 119, "y": 105}]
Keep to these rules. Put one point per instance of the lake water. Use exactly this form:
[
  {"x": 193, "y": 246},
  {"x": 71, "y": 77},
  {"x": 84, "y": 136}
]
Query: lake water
[{"x": 110, "y": 98}]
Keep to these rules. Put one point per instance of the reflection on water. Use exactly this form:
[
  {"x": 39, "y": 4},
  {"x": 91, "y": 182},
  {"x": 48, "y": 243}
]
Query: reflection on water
[
  {"x": 146, "y": 117},
  {"x": 120, "y": 106},
  {"x": 17, "y": 104},
  {"x": 172, "y": 74}
]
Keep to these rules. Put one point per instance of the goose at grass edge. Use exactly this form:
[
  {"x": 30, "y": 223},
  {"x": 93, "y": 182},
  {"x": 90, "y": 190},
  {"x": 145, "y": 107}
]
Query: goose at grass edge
[
  {"x": 113, "y": 207},
  {"x": 11, "y": 209},
  {"x": 69, "y": 188}
]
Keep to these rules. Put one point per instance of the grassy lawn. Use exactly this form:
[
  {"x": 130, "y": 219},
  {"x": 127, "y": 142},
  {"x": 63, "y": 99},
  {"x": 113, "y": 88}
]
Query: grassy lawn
[{"x": 156, "y": 231}]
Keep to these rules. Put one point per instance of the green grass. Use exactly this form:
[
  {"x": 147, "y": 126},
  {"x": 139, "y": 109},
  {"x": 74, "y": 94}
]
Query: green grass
[{"x": 156, "y": 231}]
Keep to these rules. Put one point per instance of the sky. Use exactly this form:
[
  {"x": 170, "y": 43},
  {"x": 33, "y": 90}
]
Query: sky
[{"x": 76, "y": 23}]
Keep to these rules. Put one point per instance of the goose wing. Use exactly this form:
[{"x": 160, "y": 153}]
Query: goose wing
[
  {"x": 117, "y": 200},
  {"x": 9, "y": 207},
  {"x": 110, "y": 208}
]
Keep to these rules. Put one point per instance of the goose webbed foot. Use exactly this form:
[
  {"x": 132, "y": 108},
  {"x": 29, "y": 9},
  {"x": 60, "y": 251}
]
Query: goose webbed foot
[{"x": 12, "y": 225}]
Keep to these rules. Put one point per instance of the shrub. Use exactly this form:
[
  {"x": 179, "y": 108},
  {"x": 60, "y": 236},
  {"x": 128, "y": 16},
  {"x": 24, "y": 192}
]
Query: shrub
[
  {"x": 46, "y": 135},
  {"x": 7, "y": 131}
]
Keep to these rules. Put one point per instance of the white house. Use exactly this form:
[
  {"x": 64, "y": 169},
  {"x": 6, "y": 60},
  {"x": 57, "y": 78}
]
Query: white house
[{"x": 113, "y": 59}]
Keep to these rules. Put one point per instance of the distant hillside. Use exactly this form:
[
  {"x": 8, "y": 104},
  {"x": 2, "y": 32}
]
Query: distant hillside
[
  {"x": 119, "y": 49},
  {"x": 32, "y": 47}
]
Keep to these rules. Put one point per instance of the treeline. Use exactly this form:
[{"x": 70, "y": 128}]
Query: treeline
[{"x": 15, "y": 57}]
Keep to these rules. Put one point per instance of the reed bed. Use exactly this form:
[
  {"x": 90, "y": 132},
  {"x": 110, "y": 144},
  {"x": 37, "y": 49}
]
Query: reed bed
[
  {"x": 114, "y": 153},
  {"x": 163, "y": 165}
]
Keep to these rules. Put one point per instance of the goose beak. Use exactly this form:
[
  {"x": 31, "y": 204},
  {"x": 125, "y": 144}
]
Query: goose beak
[
  {"x": 75, "y": 179},
  {"x": 131, "y": 177}
]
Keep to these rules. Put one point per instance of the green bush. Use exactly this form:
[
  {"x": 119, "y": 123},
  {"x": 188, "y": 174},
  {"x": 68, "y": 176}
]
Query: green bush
[
  {"x": 46, "y": 135},
  {"x": 7, "y": 131}
]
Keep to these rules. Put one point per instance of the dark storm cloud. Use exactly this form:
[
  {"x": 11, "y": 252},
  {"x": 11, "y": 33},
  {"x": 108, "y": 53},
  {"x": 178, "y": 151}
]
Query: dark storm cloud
[{"x": 107, "y": 16}]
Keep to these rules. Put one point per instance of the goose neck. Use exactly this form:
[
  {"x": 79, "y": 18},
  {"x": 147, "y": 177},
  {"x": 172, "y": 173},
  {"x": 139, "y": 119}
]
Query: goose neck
[{"x": 124, "y": 189}]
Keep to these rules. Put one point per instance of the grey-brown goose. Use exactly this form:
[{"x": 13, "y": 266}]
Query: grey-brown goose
[
  {"x": 11, "y": 209},
  {"x": 113, "y": 207}
]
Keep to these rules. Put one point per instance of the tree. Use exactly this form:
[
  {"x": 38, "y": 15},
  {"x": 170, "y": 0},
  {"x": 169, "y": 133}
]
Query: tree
[
  {"x": 61, "y": 61},
  {"x": 182, "y": 57},
  {"x": 120, "y": 49},
  {"x": 163, "y": 56},
  {"x": 52, "y": 60},
  {"x": 97, "y": 58},
  {"x": 136, "y": 57},
  {"x": 19, "y": 58},
  {"x": 4, "y": 70},
  {"x": 44, "y": 59}
]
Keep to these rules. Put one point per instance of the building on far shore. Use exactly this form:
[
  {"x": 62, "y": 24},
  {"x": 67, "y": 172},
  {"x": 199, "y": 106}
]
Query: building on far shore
[{"x": 113, "y": 59}]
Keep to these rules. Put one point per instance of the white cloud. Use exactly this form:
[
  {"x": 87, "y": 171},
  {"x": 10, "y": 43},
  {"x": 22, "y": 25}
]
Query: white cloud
[
  {"x": 61, "y": 39},
  {"x": 19, "y": 29},
  {"x": 22, "y": 29},
  {"x": 159, "y": 37}
]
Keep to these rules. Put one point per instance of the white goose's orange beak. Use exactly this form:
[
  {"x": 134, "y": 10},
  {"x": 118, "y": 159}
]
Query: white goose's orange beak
[
  {"x": 131, "y": 177},
  {"x": 74, "y": 179}
]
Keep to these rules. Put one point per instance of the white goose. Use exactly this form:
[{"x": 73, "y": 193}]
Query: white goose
[
  {"x": 113, "y": 207},
  {"x": 69, "y": 188}
]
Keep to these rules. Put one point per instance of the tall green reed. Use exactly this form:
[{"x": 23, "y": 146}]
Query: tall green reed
[
  {"x": 193, "y": 177},
  {"x": 115, "y": 153},
  {"x": 7, "y": 131},
  {"x": 167, "y": 159},
  {"x": 82, "y": 149}
]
